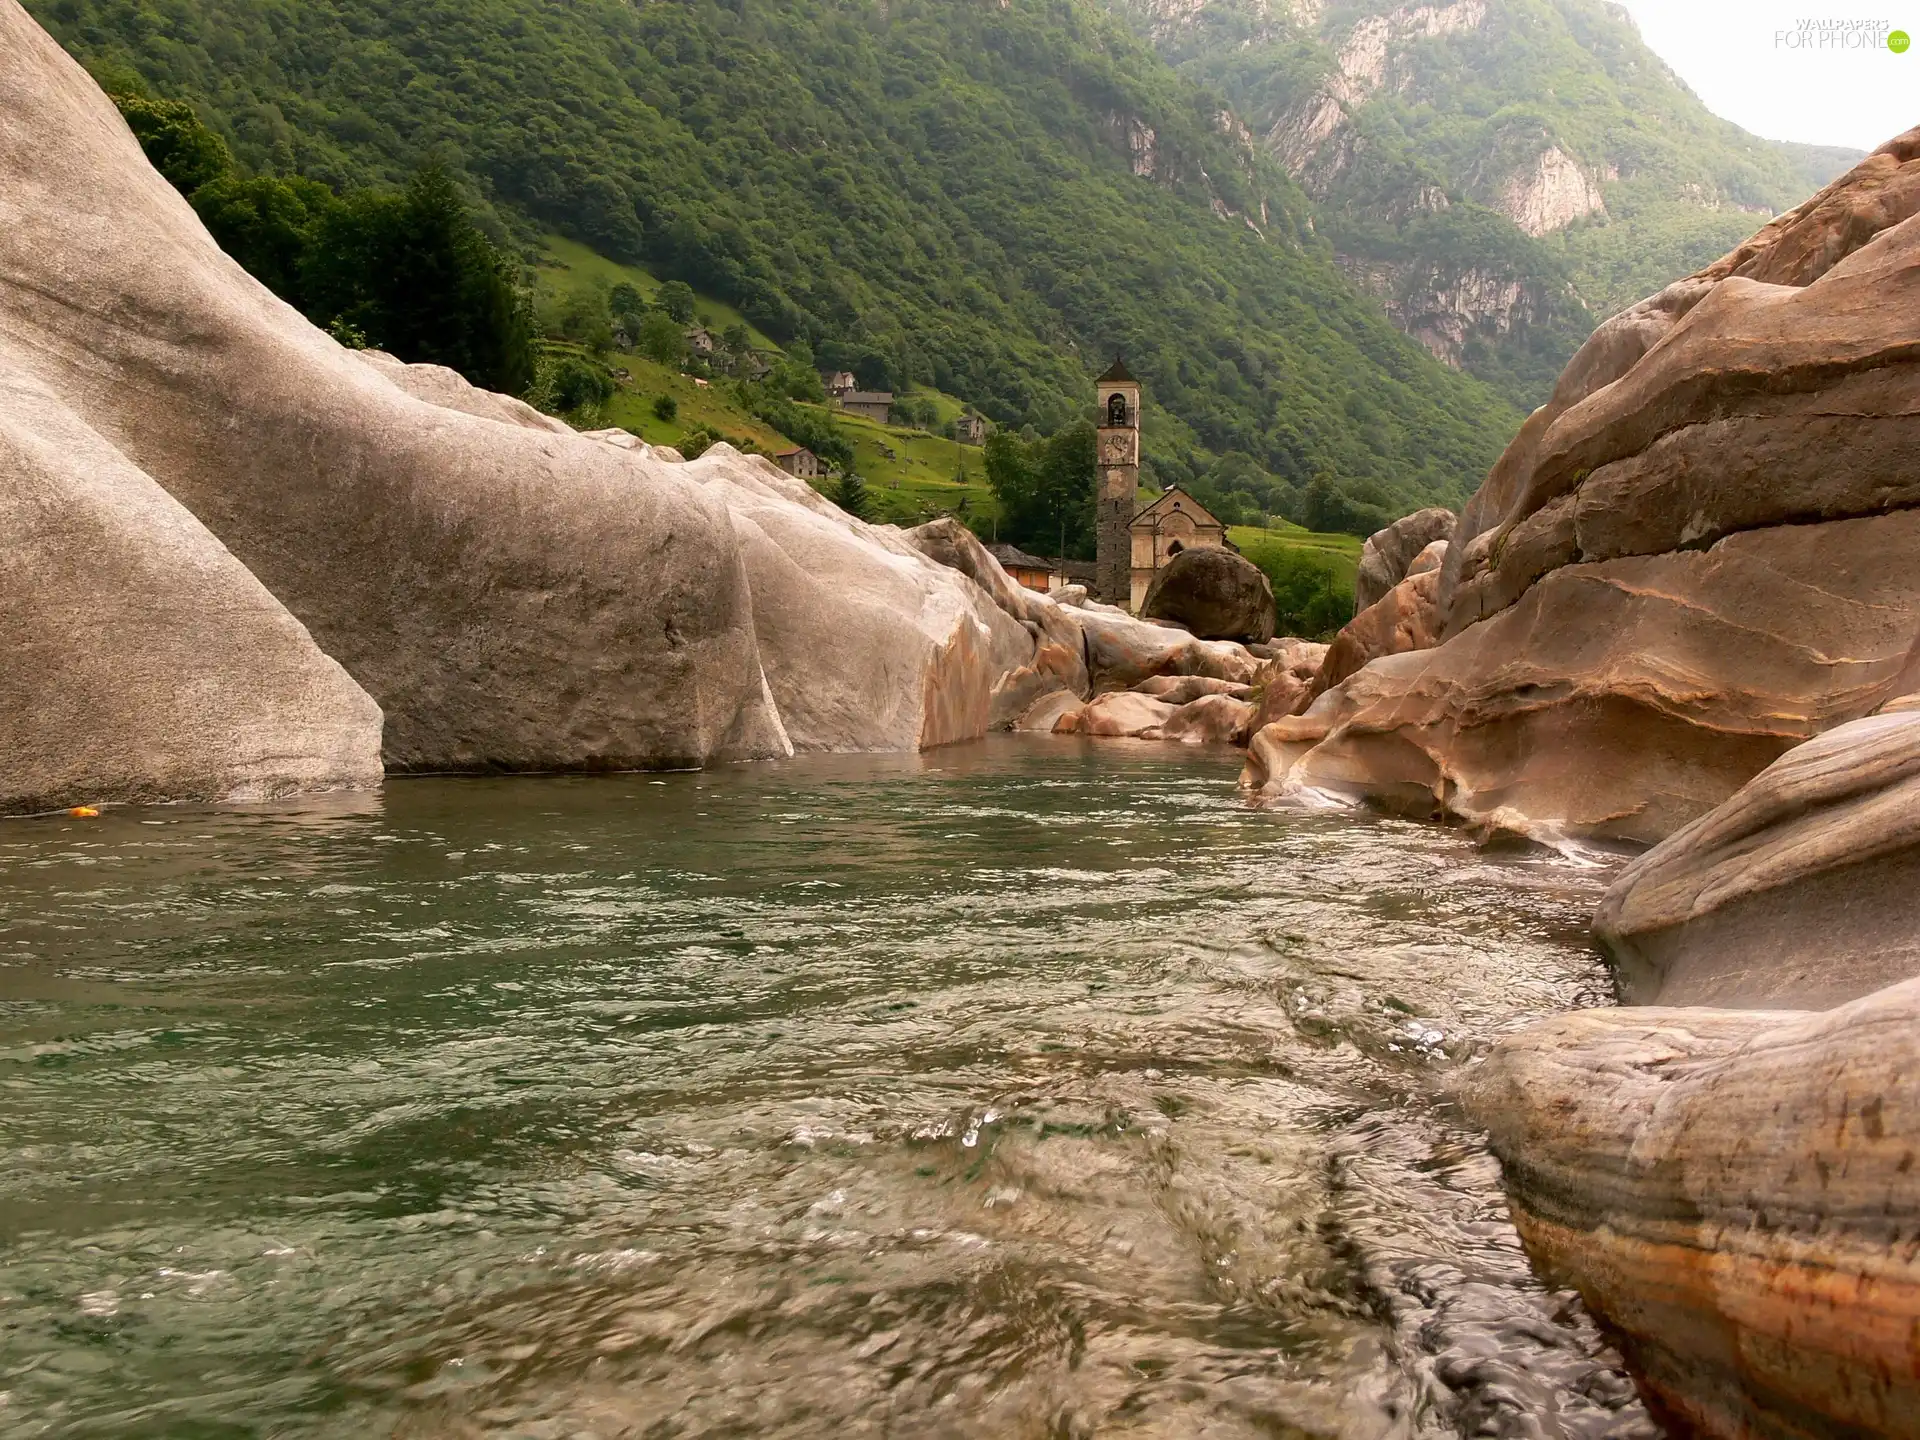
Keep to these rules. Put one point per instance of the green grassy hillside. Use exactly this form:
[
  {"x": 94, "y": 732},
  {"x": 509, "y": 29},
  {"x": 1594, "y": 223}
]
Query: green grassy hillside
[{"x": 984, "y": 200}]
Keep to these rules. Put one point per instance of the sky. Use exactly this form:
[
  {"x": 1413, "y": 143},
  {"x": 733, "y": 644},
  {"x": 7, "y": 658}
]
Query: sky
[{"x": 1742, "y": 59}]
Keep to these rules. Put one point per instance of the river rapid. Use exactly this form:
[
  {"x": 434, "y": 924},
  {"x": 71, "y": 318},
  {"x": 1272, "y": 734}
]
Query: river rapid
[{"x": 1025, "y": 1088}]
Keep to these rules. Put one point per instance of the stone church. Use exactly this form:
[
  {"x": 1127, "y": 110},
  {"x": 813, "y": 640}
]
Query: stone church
[{"x": 1132, "y": 543}]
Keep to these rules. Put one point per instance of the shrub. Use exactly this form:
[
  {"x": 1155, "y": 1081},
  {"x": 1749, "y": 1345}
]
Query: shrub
[{"x": 665, "y": 407}]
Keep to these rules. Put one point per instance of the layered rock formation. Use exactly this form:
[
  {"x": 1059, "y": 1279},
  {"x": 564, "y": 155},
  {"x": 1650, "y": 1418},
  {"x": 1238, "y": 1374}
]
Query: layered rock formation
[
  {"x": 1406, "y": 618},
  {"x": 1803, "y": 889},
  {"x": 1215, "y": 593},
  {"x": 1732, "y": 1192},
  {"x": 1696, "y": 556}
]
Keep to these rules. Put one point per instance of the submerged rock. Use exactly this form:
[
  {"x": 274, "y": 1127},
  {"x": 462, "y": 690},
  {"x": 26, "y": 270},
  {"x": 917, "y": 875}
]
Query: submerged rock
[
  {"x": 1731, "y": 1192},
  {"x": 143, "y": 662},
  {"x": 1697, "y": 555},
  {"x": 1213, "y": 592}
]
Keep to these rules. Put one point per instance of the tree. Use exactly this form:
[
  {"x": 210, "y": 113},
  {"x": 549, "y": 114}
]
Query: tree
[
  {"x": 850, "y": 494},
  {"x": 676, "y": 298},
  {"x": 267, "y": 224},
  {"x": 625, "y": 301},
  {"x": 414, "y": 272},
  {"x": 662, "y": 341},
  {"x": 1045, "y": 488},
  {"x": 573, "y": 385},
  {"x": 178, "y": 144}
]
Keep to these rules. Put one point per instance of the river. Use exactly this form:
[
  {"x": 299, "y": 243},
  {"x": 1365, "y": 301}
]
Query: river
[{"x": 1034, "y": 1087}]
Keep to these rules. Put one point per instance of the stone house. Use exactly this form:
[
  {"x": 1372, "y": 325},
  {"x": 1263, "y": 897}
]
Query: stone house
[
  {"x": 839, "y": 383},
  {"x": 970, "y": 430},
  {"x": 1174, "y": 522},
  {"x": 798, "y": 461},
  {"x": 700, "y": 340},
  {"x": 872, "y": 404}
]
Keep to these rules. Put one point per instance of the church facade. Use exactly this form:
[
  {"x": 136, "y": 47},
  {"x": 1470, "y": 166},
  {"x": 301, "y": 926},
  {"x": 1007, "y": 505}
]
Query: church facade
[{"x": 1174, "y": 522}]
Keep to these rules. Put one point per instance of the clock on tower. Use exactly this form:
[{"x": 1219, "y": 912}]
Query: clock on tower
[{"x": 1118, "y": 454}]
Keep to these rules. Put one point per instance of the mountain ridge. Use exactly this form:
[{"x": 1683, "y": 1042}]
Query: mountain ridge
[{"x": 1499, "y": 174}]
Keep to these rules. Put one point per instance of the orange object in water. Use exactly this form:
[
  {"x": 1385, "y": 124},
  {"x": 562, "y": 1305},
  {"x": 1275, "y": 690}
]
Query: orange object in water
[{"x": 84, "y": 812}]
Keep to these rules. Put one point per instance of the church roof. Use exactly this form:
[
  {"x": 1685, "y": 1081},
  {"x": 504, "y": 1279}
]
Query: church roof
[
  {"x": 1117, "y": 374},
  {"x": 1174, "y": 498}
]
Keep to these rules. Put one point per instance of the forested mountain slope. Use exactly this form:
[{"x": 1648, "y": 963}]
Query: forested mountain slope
[
  {"x": 993, "y": 198},
  {"x": 1501, "y": 173}
]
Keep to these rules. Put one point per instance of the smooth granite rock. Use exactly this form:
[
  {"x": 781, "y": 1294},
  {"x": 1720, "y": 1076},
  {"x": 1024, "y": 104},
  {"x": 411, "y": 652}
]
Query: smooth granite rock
[
  {"x": 1213, "y": 592},
  {"x": 142, "y": 661},
  {"x": 1285, "y": 681},
  {"x": 1209, "y": 720},
  {"x": 512, "y": 596},
  {"x": 1733, "y": 1194},
  {"x": 1121, "y": 714},
  {"x": 1802, "y": 890},
  {"x": 1182, "y": 689},
  {"x": 1388, "y": 555},
  {"x": 1406, "y": 618}
]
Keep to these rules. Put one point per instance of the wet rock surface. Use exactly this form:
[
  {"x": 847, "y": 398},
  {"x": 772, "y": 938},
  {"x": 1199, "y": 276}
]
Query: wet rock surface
[{"x": 1732, "y": 1192}]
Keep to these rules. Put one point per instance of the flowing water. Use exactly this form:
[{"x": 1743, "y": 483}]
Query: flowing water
[{"x": 1028, "y": 1088}]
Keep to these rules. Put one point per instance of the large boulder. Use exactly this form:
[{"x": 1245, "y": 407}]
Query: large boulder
[
  {"x": 1406, "y": 618},
  {"x": 1215, "y": 593},
  {"x": 1801, "y": 890},
  {"x": 1388, "y": 555},
  {"x": 1699, "y": 554},
  {"x": 513, "y": 597},
  {"x": 1120, "y": 714},
  {"x": 143, "y": 662},
  {"x": 1732, "y": 1194},
  {"x": 1122, "y": 651}
]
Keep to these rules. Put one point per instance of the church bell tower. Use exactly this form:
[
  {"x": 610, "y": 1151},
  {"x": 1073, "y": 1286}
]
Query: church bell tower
[{"x": 1118, "y": 469}]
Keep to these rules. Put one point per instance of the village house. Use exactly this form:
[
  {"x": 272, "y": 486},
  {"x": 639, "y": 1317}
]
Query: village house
[
  {"x": 1174, "y": 522},
  {"x": 700, "y": 340},
  {"x": 970, "y": 430},
  {"x": 870, "y": 404},
  {"x": 839, "y": 383},
  {"x": 1028, "y": 570},
  {"x": 798, "y": 461}
]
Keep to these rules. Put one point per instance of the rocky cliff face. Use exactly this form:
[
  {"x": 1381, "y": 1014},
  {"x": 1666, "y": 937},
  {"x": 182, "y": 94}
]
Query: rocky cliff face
[
  {"x": 1696, "y": 556},
  {"x": 1486, "y": 230}
]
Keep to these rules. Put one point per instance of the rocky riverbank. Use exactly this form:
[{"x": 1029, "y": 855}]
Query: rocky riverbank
[{"x": 1684, "y": 610}]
